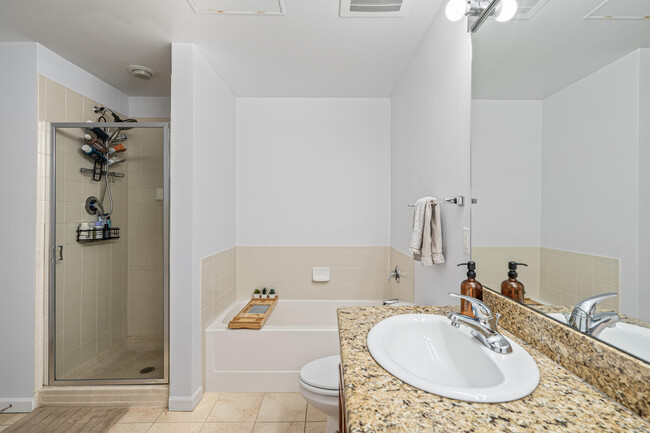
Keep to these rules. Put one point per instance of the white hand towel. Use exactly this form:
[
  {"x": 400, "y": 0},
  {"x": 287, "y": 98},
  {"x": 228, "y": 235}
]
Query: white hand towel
[{"x": 426, "y": 237}]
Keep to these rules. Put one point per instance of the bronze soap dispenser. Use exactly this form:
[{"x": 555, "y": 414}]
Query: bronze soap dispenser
[
  {"x": 470, "y": 287},
  {"x": 513, "y": 288}
]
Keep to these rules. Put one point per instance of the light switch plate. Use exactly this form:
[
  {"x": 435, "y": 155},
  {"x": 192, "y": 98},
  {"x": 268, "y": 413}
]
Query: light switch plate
[{"x": 320, "y": 274}]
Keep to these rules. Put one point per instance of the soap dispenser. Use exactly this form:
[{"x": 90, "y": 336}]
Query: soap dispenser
[
  {"x": 470, "y": 287},
  {"x": 513, "y": 288}
]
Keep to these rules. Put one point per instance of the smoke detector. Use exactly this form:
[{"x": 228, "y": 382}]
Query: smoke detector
[
  {"x": 140, "y": 71},
  {"x": 621, "y": 10},
  {"x": 238, "y": 7},
  {"x": 374, "y": 8}
]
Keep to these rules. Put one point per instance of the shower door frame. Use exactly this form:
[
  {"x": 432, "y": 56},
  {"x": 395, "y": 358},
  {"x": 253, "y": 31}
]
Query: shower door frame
[{"x": 52, "y": 257}]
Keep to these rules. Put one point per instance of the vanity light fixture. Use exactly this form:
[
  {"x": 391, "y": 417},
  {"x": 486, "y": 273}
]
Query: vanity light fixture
[{"x": 477, "y": 11}]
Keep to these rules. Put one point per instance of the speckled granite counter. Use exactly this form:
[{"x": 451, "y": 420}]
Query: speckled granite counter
[{"x": 378, "y": 402}]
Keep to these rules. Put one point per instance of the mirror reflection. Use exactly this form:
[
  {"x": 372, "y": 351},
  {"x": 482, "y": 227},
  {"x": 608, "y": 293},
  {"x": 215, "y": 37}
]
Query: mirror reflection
[{"x": 561, "y": 164}]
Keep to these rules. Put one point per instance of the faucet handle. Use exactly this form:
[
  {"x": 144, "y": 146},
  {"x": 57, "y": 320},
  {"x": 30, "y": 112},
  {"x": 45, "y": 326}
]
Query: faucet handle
[
  {"x": 589, "y": 305},
  {"x": 481, "y": 311}
]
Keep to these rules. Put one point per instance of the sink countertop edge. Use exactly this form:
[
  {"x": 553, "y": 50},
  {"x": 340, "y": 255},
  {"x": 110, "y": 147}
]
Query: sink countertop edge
[{"x": 378, "y": 402}]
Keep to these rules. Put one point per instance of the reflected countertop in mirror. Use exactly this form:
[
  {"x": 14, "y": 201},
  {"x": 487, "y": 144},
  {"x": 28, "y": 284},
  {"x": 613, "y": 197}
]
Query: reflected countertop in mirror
[{"x": 561, "y": 159}]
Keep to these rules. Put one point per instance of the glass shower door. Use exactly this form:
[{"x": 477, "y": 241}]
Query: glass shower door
[{"x": 108, "y": 273}]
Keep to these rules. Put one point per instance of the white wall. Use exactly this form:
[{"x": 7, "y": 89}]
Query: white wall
[
  {"x": 506, "y": 172},
  {"x": 214, "y": 160},
  {"x": 151, "y": 107},
  {"x": 313, "y": 171},
  {"x": 644, "y": 183},
  {"x": 202, "y": 206},
  {"x": 430, "y": 149},
  {"x": 590, "y": 175},
  {"x": 18, "y": 121}
]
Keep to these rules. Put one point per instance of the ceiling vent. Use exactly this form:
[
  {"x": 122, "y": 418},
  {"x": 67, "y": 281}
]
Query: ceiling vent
[
  {"x": 374, "y": 8},
  {"x": 238, "y": 7},
  {"x": 528, "y": 8},
  {"x": 621, "y": 10}
]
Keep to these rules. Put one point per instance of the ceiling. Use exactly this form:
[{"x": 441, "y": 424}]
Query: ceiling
[
  {"x": 310, "y": 52},
  {"x": 532, "y": 59}
]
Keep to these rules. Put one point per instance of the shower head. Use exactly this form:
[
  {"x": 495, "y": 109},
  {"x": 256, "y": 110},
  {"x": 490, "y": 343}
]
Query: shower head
[{"x": 116, "y": 118}]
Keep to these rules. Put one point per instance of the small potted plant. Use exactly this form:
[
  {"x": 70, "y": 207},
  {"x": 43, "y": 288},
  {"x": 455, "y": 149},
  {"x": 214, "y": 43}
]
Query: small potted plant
[
  {"x": 272, "y": 293},
  {"x": 256, "y": 293},
  {"x": 265, "y": 293}
]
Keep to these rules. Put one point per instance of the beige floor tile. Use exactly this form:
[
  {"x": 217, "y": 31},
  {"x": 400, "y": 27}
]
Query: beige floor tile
[
  {"x": 179, "y": 427},
  {"x": 140, "y": 427},
  {"x": 199, "y": 414},
  {"x": 314, "y": 414},
  {"x": 10, "y": 418},
  {"x": 141, "y": 414},
  {"x": 279, "y": 427},
  {"x": 227, "y": 427},
  {"x": 316, "y": 427},
  {"x": 2, "y": 427},
  {"x": 282, "y": 406},
  {"x": 236, "y": 407}
]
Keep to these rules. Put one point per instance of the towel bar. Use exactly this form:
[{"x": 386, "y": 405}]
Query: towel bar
[{"x": 459, "y": 201}]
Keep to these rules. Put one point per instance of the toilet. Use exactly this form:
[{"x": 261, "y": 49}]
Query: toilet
[{"x": 319, "y": 384}]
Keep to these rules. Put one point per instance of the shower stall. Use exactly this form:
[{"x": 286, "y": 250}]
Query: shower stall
[{"x": 109, "y": 248}]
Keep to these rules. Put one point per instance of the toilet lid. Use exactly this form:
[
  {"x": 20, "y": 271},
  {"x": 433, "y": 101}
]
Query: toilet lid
[{"x": 322, "y": 373}]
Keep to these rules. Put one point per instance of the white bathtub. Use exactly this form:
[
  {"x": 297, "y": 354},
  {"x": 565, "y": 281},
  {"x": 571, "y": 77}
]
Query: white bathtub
[{"x": 269, "y": 360}]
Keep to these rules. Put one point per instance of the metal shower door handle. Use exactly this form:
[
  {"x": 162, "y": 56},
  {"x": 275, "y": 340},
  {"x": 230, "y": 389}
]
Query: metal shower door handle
[{"x": 60, "y": 258}]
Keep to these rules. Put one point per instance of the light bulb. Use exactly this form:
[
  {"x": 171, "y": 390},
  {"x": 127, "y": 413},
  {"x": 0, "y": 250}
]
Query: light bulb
[
  {"x": 456, "y": 10},
  {"x": 506, "y": 10}
]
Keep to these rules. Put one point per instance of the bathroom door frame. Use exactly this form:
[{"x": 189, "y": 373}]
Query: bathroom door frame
[{"x": 52, "y": 257}]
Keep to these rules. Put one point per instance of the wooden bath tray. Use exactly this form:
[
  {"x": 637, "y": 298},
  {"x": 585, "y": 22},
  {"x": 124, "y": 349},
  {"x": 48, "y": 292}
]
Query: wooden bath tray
[{"x": 254, "y": 315}]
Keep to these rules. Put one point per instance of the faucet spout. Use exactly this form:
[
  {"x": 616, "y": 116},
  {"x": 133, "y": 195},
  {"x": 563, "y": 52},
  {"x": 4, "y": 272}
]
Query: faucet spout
[
  {"x": 484, "y": 327},
  {"x": 585, "y": 319},
  {"x": 491, "y": 339}
]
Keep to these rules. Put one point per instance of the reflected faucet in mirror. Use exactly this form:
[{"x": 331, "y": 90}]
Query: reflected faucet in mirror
[{"x": 585, "y": 319}]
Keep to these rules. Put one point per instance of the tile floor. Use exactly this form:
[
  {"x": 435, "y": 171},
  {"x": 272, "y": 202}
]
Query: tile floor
[
  {"x": 126, "y": 361},
  {"x": 229, "y": 413},
  {"x": 221, "y": 413}
]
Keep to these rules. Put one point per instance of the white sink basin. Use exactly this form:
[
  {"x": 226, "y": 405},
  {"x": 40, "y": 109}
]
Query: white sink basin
[
  {"x": 425, "y": 351},
  {"x": 630, "y": 338}
]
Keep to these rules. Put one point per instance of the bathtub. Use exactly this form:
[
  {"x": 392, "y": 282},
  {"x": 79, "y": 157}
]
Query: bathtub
[{"x": 269, "y": 360}]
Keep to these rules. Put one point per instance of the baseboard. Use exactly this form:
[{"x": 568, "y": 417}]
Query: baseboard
[
  {"x": 252, "y": 381},
  {"x": 17, "y": 405},
  {"x": 186, "y": 404},
  {"x": 105, "y": 395}
]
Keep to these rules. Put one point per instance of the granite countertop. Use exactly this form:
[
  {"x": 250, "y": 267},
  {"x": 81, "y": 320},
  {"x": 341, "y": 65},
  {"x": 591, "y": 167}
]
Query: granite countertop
[{"x": 378, "y": 402}]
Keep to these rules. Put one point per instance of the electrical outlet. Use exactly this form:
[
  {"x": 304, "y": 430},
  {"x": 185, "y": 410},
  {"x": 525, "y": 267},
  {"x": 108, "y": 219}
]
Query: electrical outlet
[{"x": 466, "y": 241}]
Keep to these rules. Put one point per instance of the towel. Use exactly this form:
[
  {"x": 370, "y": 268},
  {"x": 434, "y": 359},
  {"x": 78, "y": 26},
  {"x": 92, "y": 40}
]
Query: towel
[{"x": 426, "y": 237}]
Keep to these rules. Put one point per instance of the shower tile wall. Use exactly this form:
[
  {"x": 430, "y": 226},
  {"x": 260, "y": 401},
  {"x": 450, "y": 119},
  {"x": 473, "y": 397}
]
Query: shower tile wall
[
  {"x": 145, "y": 226},
  {"x": 91, "y": 280}
]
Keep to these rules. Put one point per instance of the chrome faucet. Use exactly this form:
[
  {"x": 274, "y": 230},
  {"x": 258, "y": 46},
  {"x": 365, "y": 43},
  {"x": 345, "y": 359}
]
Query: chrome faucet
[
  {"x": 484, "y": 327},
  {"x": 585, "y": 319}
]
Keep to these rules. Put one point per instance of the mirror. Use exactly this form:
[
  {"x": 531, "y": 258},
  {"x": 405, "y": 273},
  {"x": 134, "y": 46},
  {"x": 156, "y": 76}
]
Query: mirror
[{"x": 561, "y": 162}]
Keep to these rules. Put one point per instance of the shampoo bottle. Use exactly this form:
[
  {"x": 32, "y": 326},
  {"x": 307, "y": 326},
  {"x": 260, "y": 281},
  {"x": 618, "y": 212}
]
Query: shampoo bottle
[
  {"x": 513, "y": 288},
  {"x": 470, "y": 287}
]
